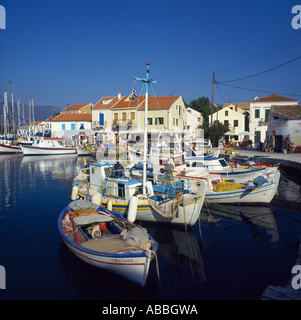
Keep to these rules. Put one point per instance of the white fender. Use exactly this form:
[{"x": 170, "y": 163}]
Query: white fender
[
  {"x": 74, "y": 193},
  {"x": 96, "y": 198},
  {"x": 132, "y": 212},
  {"x": 109, "y": 205}
]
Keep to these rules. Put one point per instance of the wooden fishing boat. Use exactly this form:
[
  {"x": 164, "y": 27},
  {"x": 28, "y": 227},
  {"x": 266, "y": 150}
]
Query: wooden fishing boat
[
  {"x": 166, "y": 199},
  {"x": 106, "y": 240},
  {"x": 260, "y": 191}
]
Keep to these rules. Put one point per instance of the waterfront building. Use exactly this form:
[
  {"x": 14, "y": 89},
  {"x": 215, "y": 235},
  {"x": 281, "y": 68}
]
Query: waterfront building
[
  {"x": 259, "y": 114},
  {"x": 71, "y": 124},
  {"x": 236, "y": 116},
  {"x": 284, "y": 123},
  {"x": 125, "y": 113}
]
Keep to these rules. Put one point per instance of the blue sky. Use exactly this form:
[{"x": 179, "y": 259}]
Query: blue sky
[{"x": 76, "y": 51}]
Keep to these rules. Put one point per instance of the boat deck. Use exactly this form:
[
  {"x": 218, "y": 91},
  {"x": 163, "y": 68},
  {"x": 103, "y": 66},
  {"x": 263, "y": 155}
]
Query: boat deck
[{"x": 109, "y": 244}]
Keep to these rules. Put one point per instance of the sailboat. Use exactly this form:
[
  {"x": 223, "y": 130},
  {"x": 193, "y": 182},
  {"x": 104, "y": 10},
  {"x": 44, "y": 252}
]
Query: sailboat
[
  {"x": 135, "y": 197},
  {"x": 7, "y": 144}
]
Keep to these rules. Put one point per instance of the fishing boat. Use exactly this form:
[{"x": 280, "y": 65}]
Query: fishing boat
[
  {"x": 83, "y": 151},
  {"x": 9, "y": 148},
  {"x": 118, "y": 189},
  {"x": 260, "y": 191},
  {"x": 106, "y": 240},
  {"x": 42, "y": 146}
]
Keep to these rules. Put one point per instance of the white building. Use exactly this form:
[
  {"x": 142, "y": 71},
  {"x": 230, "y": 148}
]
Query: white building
[
  {"x": 71, "y": 124},
  {"x": 194, "y": 119},
  {"x": 235, "y": 115},
  {"x": 284, "y": 122},
  {"x": 259, "y": 114}
]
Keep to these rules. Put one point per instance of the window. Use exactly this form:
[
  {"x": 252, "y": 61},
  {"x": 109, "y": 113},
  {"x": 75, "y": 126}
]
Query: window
[
  {"x": 82, "y": 126},
  {"x": 226, "y": 113},
  {"x": 72, "y": 126},
  {"x": 226, "y": 122},
  {"x": 149, "y": 121},
  {"x": 121, "y": 190},
  {"x": 257, "y": 113},
  {"x": 123, "y": 115},
  {"x": 63, "y": 126},
  {"x": 115, "y": 116},
  {"x": 235, "y": 123},
  {"x": 132, "y": 115},
  {"x": 257, "y": 136},
  {"x": 267, "y": 113},
  {"x": 159, "y": 120}
]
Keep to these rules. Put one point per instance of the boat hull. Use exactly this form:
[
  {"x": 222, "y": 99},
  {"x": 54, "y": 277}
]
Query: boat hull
[
  {"x": 34, "y": 151},
  {"x": 83, "y": 152},
  {"x": 129, "y": 266},
  {"x": 261, "y": 195},
  {"x": 6, "y": 149},
  {"x": 187, "y": 214}
]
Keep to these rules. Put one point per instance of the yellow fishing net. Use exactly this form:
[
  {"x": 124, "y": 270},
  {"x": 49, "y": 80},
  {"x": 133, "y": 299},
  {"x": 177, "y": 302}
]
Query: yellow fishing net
[{"x": 228, "y": 186}]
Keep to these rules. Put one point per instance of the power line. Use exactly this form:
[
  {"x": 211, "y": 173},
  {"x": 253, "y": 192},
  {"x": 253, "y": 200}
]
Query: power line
[
  {"x": 259, "y": 73},
  {"x": 248, "y": 89}
]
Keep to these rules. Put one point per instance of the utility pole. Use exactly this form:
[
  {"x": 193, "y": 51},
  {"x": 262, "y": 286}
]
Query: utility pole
[
  {"x": 12, "y": 106},
  {"x": 212, "y": 96}
]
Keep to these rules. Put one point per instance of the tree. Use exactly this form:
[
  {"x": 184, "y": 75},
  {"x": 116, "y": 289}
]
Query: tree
[{"x": 216, "y": 131}]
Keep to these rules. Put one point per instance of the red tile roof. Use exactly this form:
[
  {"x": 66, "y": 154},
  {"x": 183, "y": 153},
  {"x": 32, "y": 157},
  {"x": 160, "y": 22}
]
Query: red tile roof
[
  {"x": 154, "y": 103},
  {"x": 106, "y": 103},
  {"x": 158, "y": 103},
  {"x": 273, "y": 98},
  {"x": 73, "y": 117},
  {"x": 76, "y": 106}
]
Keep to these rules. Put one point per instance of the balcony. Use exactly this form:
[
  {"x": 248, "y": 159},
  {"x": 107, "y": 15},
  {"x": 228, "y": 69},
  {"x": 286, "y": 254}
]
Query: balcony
[
  {"x": 123, "y": 123},
  {"x": 95, "y": 124}
]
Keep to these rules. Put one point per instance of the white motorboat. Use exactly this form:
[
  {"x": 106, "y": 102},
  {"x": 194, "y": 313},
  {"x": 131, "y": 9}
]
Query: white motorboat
[{"x": 42, "y": 146}]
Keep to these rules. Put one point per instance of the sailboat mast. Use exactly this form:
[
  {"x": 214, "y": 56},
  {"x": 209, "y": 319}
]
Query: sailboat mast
[
  {"x": 12, "y": 106},
  {"x": 5, "y": 113}
]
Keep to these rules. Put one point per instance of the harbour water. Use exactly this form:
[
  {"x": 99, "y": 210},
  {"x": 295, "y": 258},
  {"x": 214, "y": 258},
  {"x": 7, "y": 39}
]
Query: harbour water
[{"x": 231, "y": 253}]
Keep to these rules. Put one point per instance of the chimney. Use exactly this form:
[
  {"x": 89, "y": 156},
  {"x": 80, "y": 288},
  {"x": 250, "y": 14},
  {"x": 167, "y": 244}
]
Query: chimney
[{"x": 119, "y": 95}]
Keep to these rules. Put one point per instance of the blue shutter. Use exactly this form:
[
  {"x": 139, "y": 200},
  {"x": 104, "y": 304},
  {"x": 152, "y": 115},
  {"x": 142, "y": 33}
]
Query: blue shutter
[
  {"x": 101, "y": 119},
  {"x": 63, "y": 126},
  {"x": 72, "y": 126}
]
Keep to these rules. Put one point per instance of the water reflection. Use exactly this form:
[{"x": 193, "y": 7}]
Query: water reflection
[
  {"x": 289, "y": 191},
  {"x": 256, "y": 216},
  {"x": 19, "y": 174}
]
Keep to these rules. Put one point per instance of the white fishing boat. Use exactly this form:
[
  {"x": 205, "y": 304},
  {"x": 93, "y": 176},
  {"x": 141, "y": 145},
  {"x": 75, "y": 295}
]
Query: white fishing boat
[
  {"x": 106, "y": 240},
  {"x": 83, "y": 151},
  {"x": 118, "y": 190},
  {"x": 260, "y": 191},
  {"x": 42, "y": 146}
]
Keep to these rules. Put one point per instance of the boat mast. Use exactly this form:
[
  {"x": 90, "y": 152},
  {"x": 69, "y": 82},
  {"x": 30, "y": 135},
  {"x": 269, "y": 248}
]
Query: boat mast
[
  {"x": 147, "y": 81},
  {"x": 5, "y": 113},
  {"x": 12, "y": 106}
]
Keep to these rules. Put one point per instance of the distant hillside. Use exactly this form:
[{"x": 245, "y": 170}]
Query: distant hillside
[{"x": 44, "y": 112}]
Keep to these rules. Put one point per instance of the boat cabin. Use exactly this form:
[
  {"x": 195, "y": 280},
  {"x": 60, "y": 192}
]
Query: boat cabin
[{"x": 125, "y": 188}]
